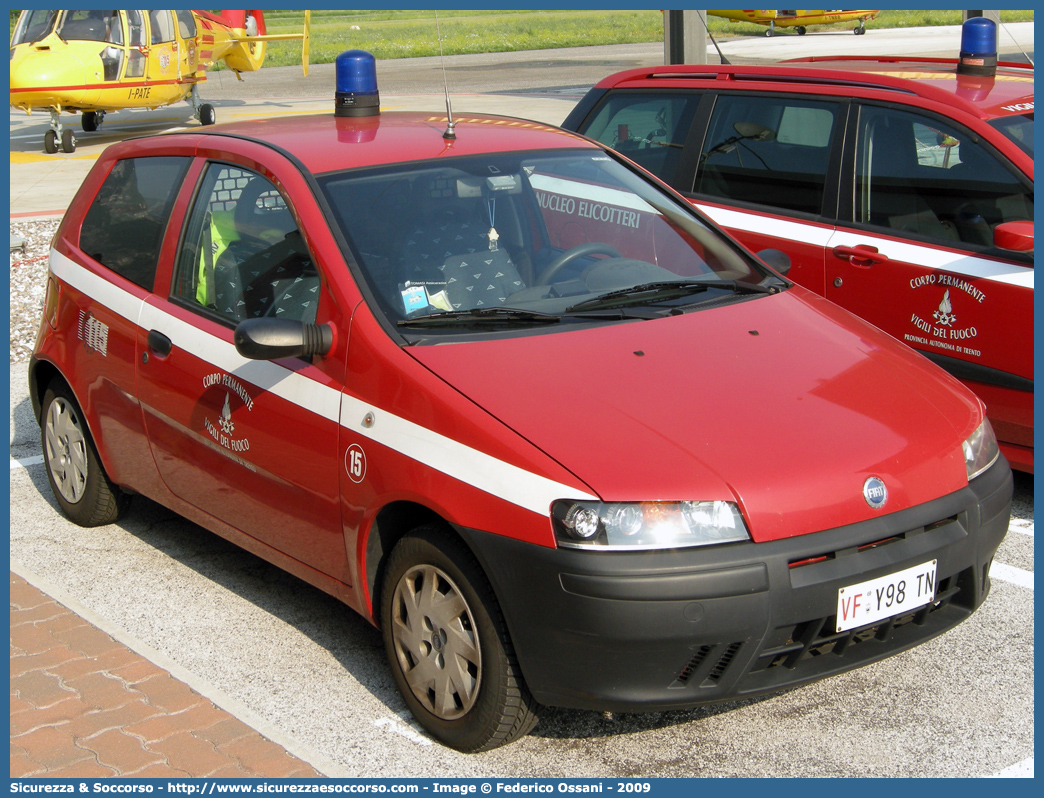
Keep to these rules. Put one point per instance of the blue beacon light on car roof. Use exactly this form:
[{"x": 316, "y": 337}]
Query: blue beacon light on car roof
[
  {"x": 978, "y": 47},
  {"x": 356, "y": 94}
]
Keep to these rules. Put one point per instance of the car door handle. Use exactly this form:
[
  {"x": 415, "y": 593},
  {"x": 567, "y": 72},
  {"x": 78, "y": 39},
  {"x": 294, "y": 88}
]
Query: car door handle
[
  {"x": 159, "y": 343},
  {"x": 862, "y": 255}
]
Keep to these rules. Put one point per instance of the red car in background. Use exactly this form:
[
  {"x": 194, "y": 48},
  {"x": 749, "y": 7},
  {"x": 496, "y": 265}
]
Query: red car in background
[{"x": 901, "y": 189}]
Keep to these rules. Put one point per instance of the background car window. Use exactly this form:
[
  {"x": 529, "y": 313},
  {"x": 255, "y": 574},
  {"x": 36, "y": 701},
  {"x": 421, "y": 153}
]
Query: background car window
[
  {"x": 650, "y": 130},
  {"x": 768, "y": 150},
  {"x": 243, "y": 256},
  {"x": 1019, "y": 129},
  {"x": 922, "y": 176},
  {"x": 123, "y": 229}
]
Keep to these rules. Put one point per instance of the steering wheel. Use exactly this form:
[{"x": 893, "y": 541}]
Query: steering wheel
[{"x": 567, "y": 257}]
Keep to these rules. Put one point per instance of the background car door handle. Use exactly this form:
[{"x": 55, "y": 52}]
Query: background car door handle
[
  {"x": 159, "y": 343},
  {"x": 860, "y": 255}
]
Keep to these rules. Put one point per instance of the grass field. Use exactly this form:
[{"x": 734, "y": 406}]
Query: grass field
[{"x": 405, "y": 34}]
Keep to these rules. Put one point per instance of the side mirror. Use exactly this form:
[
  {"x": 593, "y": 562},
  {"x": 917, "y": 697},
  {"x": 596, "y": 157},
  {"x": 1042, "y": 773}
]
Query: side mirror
[
  {"x": 272, "y": 339},
  {"x": 776, "y": 258},
  {"x": 1014, "y": 236}
]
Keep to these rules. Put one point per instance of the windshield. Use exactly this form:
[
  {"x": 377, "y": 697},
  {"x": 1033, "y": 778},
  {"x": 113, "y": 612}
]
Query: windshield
[
  {"x": 521, "y": 238},
  {"x": 1017, "y": 128},
  {"x": 32, "y": 26}
]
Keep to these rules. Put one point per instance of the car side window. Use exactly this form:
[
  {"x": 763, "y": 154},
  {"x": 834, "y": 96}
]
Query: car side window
[
  {"x": 919, "y": 175},
  {"x": 242, "y": 255},
  {"x": 768, "y": 150},
  {"x": 123, "y": 228},
  {"x": 649, "y": 129}
]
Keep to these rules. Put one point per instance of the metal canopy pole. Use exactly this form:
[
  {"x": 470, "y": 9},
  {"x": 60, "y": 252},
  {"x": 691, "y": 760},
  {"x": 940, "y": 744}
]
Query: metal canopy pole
[{"x": 684, "y": 37}]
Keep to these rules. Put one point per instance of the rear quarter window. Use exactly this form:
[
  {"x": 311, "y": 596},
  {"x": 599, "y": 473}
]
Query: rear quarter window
[{"x": 123, "y": 228}]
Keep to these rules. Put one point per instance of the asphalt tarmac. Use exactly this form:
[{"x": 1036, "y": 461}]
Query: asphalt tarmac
[{"x": 312, "y": 675}]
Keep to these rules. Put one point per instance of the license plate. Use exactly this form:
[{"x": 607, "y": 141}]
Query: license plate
[{"x": 885, "y": 597}]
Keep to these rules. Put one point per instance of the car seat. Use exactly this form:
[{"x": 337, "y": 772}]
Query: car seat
[
  {"x": 448, "y": 247},
  {"x": 266, "y": 270}
]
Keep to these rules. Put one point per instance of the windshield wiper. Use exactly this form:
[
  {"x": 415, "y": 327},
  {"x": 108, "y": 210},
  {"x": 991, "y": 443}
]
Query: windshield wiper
[
  {"x": 667, "y": 289},
  {"x": 494, "y": 315}
]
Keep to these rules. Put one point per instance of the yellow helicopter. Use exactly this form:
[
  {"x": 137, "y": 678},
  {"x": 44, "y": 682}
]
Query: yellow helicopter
[
  {"x": 91, "y": 62},
  {"x": 799, "y": 20}
]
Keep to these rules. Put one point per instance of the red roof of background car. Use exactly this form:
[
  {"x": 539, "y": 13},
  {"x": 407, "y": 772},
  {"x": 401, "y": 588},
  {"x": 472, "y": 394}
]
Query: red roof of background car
[
  {"x": 1009, "y": 92},
  {"x": 326, "y": 143}
]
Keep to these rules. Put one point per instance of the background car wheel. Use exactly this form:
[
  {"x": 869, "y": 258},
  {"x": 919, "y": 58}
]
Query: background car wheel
[
  {"x": 50, "y": 142},
  {"x": 448, "y": 646},
  {"x": 207, "y": 114},
  {"x": 77, "y": 478}
]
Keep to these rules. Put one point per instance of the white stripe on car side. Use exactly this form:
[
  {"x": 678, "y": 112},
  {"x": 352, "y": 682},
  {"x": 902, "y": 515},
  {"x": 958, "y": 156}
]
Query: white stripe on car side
[
  {"x": 122, "y": 303},
  {"x": 471, "y": 466},
  {"x": 457, "y": 460},
  {"x": 815, "y": 235},
  {"x": 923, "y": 254}
]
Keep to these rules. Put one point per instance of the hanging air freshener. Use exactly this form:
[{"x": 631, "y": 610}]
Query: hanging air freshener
[{"x": 492, "y": 235}]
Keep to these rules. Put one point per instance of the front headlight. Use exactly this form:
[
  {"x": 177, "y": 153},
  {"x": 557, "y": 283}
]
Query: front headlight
[
  {"x": 646, "y": 525},
  {"x": 980, "y": 450}
]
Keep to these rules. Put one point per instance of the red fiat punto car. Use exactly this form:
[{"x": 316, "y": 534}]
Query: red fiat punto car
[
  {"x": 517, "y": 404},
  {"x": 900, "y": 189}
]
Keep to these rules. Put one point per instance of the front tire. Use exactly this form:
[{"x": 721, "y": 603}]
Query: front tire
[
  {"x": 448, "y": 645},
  {"x": 77, "y": 478},
  {"x": 207, "y": 114}
]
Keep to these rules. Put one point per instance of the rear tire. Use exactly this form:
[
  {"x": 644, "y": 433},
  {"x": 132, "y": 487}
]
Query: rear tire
[
  {"x": 90, "y": 121},
  {"x": 77, "y": 478},
  {"x": 448, "y": 645}
]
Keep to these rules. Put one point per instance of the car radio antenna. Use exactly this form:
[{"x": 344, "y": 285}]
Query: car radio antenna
[
  {"x": 451, "y": 132},
  {"x": 706, "y": 27}
]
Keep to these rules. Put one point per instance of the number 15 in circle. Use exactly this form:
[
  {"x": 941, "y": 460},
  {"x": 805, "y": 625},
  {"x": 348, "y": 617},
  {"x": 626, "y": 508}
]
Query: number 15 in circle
[{"x": 355, "y": 463}]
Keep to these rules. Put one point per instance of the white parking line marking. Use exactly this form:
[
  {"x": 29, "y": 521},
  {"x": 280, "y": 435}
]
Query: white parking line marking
[
  {"x": 25, "y": 462},
  {"x": 1008, "y": 573},
  {"x": 1023, "y": 770},
  {"x": 403, "y": 729},
  {"x": 1021, "y": 526}
]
